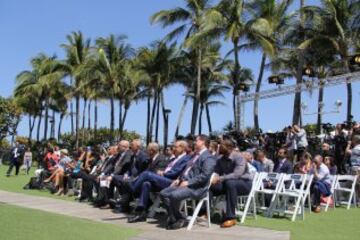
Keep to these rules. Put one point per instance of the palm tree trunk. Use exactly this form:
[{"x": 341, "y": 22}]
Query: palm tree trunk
[
  {"x": 198, "y": 91},
  {"x": 71, "y": 109},
  {"x": 52, "y": 132},
  {"x": 153, "y": 117},
  {"x": 165, "y": 121},
  {"x": 193, "y": 117},
  {"x": 148, "y": 120},
  {"x": 181, "y": 115},
  {"x": 236, "y": 85},
  {"x": 38, "y": 127},
  {"x": 234, "y": 104},
  {"x": 46, "y": 118},
  {"x": 200, "y": 118},
  {"x": 297, "y": 99},
  {"x": 112, "y": 117},
  {"x": 258, "y": 86},
  {"x": 123, "y": 120},
  {"x": 60, "y": 123},
  {"x": 208, "y": 118},
  {"x": 84, "y": 113},
  {"x": 157, "y": 118},
  {"x": 120, "y": 116},
  {"x": 320, "y": 101},
  {"x": 95, "y": 117},
  {"x": 89, "y": 115},
  {"x": 77, "y": 120},
  {"x": 349, "y": 116},
  {"x": 30, "y": 129}
]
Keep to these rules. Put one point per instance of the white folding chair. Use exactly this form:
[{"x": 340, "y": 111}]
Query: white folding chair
[
  {"x": 292, "y": 187},
  {"x": 263, "y": 188},
  {"x": 340, "y": 187},
  {"x": 244, "y": 202},
  {"x": 155, "y": 207},
  {"x": 307, "y": 195},
  {"x": 332, "y": 189},
  {"x": 205, "y": 199}
]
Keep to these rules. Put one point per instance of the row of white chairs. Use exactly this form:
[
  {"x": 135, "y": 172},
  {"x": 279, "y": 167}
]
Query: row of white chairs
[{"x": 282, "y": 189}]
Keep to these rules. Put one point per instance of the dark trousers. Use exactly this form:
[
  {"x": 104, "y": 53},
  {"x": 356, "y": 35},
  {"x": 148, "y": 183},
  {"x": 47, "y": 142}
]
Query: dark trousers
[
  {"x": 14, "y": 163},
  {"x": 318, "y": 189},
  {"x": 232, "y": 189},
  {"x": 88, "y": 183},
  {"x": 105, "y": 193},
  {"x": 172, "y": 197},
  {"x": 146, "y": 183}
]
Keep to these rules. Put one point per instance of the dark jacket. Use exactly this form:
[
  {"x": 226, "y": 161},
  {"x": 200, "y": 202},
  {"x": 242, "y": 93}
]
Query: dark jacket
[
  {"x": 199, "y": 175},
  {"x": 139, "y": 163},
  {"x": 123, "y": 163},
  {"x": 287, "y": 167},
  {"x": 158, "y": 164},
  {"x": 178, "y": 168},
  {"x": 232, "y": 167}
]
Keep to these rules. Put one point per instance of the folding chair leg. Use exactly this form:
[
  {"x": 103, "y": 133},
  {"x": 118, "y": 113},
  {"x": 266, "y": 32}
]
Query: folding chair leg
[
  {"x": 296, "y": 210},
  {"x": 208, "y": 212},
  {"x": 350, "y": 200},
  {"x": 195, "y": 214},
  {"x": 246, "y": 208}
]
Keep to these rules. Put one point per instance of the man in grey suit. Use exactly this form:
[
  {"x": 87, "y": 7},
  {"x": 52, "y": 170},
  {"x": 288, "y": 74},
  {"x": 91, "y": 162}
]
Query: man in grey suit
[
  {"x": 266, "y": 165},
  {"x": 192, "y": 183}
]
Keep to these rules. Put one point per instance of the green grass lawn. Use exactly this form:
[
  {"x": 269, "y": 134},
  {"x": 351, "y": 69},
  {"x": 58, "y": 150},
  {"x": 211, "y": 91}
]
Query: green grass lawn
[
  {"x": 332, "y": 225},
  {"x": 18, "y": 223},
  {"x": 16, "y": 184}
]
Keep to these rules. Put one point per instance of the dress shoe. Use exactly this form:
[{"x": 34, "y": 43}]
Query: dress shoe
[
  {"x": 177, "y": 225},
  {"x": 316, "y": 209},
  {"x": 229, "y": 223},
  {"x": 140, "y": 217},
  {"x": 106, "y": 206}
]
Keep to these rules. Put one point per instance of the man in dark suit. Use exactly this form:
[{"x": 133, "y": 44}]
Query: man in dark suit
[
  {"x": 139, "y": 163},
  {"x": 158, "y": 161},
  {"x": 192, "y": 183},
  {"x": 232, "y": 179},
  {"x": 149, "y": 181},
  {"x": 120, "y": 164},
  {"x": 14, "y": 160},
  {"x": 283, "y": 165}
]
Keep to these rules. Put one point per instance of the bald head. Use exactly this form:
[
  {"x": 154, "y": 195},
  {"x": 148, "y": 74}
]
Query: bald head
[
  {"x": 318, "y": 160},
  {"x": 123, "y": 146},
  {"x": 153, "y": 149}
]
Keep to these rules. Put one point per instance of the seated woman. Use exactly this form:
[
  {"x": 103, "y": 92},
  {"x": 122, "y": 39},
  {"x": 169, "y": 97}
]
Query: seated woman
[
  {"x": 329, "y": 162},
  {"x": 304, "y": 165},
  {"x": 321, "y": 183}
]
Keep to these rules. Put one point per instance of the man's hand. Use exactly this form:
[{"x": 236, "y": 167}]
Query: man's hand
[
  {"x": 175, "y": 183},
  {"x": 126, "y": 177},
  {"x": 161, "y": 173},
  {"x": 184, "y": 184},
  {"x": 215, "y": 180}
]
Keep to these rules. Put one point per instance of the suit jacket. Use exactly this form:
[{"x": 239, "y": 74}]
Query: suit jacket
[
  {"x": 178, "y": 168},
  {"x": 139, "y": 163},
  {"x": 123, "y": 163},
  {"x": 159, "y": 163},
  {"x": 287, "y": 167},
  {"x": 108, "y": 165},
  {"x": 199, "y": 175},
  {"x": 257, "y": 165}
]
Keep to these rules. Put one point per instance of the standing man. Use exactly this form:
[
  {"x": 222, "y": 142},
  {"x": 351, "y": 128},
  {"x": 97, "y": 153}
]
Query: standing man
[
  {"x": 14, "y": 160},
  {"x": 300, "y": 139},
  {"x": 191, "y": 184}
]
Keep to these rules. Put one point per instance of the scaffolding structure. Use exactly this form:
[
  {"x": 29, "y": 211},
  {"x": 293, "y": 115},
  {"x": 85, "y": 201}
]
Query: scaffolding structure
[{"x": 302, "y": 87}]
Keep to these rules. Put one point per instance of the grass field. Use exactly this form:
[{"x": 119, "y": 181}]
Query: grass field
[
  {"x": 21, "y": 224},
  {"x": 333, "y": 225},
  {"x": 16, "y": 184}
]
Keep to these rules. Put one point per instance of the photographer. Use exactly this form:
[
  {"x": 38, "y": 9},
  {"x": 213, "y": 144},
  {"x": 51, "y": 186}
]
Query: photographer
[
  {"x": 340, "y": 141},
  {"x": 301, "y": 142},
  {"x": 353, "y": 150}
]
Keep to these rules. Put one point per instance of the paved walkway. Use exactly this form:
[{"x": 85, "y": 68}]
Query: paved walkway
[{"x": 149, "y": 231}]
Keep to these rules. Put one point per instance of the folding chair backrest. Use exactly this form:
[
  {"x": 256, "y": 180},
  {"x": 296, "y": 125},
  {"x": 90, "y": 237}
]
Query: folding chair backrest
[
  {"x": 345, "y": 178},
  {"x": 264, "y": 178},
  {"x": 293, "y": 182}
]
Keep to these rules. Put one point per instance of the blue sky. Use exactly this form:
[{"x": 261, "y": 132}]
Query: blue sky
[{"x": 30, "y": 27}]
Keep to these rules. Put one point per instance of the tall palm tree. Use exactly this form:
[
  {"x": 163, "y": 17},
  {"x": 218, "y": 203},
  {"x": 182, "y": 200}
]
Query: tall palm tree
[
  {"x": 113, "y": 54},
  {"x": 77, "y": 54},
  {"x": 337, "y": 22},
  {"x": 190, "y": 19}
]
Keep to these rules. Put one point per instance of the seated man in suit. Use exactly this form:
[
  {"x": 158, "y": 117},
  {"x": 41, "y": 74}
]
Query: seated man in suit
[
  {"x": 121, "y": 164},
  {"x": 232, "y": 179},
  {"x": 283, "y": 165},
  {"x": 266, "y": 165},
  {"x": 192, "y": 183},
  {"x": 139, "y": 163},
  {"x": 150, "y": 181}
]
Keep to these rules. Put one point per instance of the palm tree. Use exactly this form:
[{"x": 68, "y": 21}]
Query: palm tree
[
  {"x": 77, "y": 54},
  {"x": 336, "y": 22},
  {"x": 113, "y": 53},
  {"x": 269, "y": 17},
  {"x": 190, "y": 19}
]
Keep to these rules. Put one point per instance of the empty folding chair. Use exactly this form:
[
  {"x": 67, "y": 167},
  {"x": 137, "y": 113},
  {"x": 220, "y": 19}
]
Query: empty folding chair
[
  {"x": 341, "y": 188},
  {"x": 268, "y": 184},
  {"x": 292, "y": 187},
  {"x": 331, "y": 197},
  {"x": 244, "y": 202},
  {"x": 196, "y": 210}
]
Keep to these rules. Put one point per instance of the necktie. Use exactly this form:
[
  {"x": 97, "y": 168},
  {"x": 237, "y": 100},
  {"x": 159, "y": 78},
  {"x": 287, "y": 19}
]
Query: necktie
[
  {"x": 170, "y": 165},
  {"x": 191, "y": 164}
]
